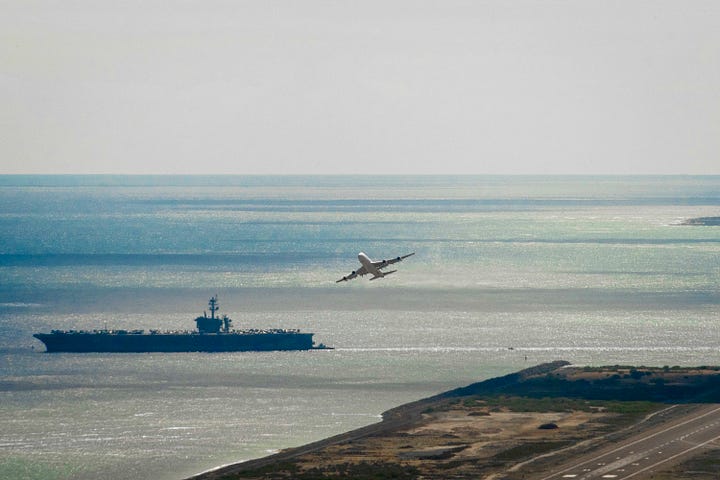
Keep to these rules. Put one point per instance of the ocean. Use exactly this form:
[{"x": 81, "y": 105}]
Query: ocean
[{"x": 509, "y": 272}]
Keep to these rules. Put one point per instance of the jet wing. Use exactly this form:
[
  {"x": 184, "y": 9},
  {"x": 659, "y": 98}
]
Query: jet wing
[
  {"x": 384, "y": 263},
  {"x": 357, "y": 273}
]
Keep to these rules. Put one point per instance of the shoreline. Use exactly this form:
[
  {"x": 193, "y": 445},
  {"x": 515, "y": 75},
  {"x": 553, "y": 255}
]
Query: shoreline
[
  {"x": 393, "y": 418},
  {"x": 443, "y": 420}
]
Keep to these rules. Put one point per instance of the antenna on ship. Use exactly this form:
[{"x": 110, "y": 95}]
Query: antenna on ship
[{"x": 213, "y": 304}]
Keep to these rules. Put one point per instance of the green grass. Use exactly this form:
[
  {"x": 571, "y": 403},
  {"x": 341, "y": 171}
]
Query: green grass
[
  {"x": 701, "y": 467},
  {"x": 528, "y": 450},
  {"x": 556, "y": 404}
]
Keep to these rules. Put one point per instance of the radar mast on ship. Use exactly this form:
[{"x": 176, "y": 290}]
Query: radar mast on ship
[
  {"x": 213, "y": 324},
  {"x": 213, "y": 304}
]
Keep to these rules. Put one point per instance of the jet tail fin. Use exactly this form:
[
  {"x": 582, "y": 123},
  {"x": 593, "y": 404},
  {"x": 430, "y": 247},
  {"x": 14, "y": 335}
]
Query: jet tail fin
[{"x": 384, "y": 274}]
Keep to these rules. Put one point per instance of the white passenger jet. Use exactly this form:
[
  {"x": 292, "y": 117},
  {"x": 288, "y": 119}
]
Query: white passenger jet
[{"x": 374, "y": 268}]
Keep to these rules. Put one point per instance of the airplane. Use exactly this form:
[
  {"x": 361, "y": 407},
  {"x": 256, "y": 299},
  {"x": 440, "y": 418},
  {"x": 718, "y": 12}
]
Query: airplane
[{"x": 374, "y": 268}]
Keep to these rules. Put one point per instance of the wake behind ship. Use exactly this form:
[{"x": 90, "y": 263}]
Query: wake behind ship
[{"x": 213, "y": 334}]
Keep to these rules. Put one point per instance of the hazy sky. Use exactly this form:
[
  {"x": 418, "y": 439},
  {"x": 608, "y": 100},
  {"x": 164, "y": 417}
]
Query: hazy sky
[{"x": 376, "y": 87}]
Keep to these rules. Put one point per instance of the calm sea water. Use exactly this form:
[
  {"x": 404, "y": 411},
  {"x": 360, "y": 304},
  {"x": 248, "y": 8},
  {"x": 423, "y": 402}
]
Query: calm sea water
[{"x": 509, "y": 272}]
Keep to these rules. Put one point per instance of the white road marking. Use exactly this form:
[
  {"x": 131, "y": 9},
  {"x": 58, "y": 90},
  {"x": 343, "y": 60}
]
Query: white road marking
[
  {"x": 635, "y": 442},
  {"x": 674, "y": 456}
]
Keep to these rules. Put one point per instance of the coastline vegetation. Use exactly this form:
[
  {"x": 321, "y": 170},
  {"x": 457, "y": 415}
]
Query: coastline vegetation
[
  {"x": 496, "y": 403},
  {"x": 356, "y": 471}
]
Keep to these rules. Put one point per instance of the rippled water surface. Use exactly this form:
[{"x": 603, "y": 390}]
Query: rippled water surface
[{"x": 509, "y": 272}]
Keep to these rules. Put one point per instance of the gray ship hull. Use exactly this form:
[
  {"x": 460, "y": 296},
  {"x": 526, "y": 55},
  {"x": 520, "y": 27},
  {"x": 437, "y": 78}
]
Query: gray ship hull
[{"x": 175, "y": 342}]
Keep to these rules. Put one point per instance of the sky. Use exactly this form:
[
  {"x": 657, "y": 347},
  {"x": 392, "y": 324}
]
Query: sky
[{"x": 359, "y": 87}]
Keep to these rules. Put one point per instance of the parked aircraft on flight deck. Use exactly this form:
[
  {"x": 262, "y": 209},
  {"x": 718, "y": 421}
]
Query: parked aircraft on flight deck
[{"x": 373, "y": 267}]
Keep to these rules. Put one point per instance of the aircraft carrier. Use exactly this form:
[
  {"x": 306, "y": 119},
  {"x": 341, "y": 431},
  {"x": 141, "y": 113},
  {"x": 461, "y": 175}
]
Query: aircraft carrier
[{"x": 213, "y": 334}]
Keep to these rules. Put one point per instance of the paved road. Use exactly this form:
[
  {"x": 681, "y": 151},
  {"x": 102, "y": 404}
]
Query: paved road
[{"x": 649, "y": 451}]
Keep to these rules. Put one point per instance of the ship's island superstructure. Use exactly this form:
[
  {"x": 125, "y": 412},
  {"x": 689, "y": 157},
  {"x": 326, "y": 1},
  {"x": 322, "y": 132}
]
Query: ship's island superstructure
[{"x": 213, "y": 334}]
